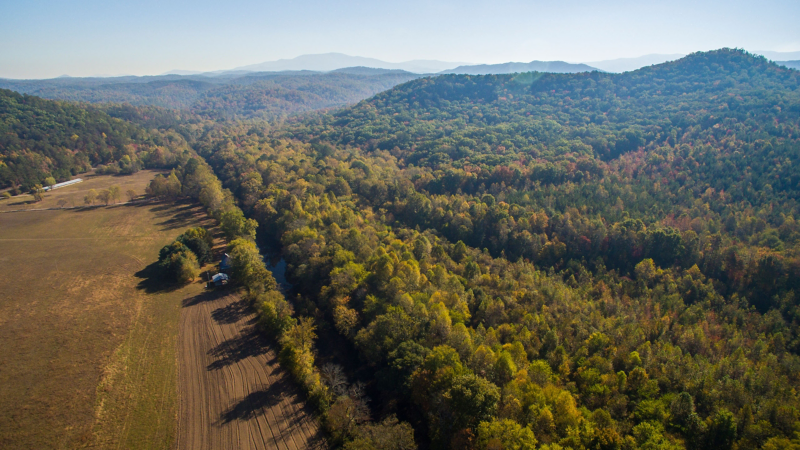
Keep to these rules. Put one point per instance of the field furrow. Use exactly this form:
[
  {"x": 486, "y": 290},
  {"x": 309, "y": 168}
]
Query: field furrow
[{"x": 233, "y": 393}]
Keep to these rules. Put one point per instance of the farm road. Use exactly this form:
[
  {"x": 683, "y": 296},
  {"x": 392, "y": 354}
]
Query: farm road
[{"x": 232, "y": 392}]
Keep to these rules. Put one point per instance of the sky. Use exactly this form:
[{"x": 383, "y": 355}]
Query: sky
[{"x": 45, "y": 38}]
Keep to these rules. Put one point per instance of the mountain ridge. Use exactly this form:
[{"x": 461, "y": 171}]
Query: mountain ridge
[
  {"x": 326, "y": 62},
  {"x": 517, "y": 67}
]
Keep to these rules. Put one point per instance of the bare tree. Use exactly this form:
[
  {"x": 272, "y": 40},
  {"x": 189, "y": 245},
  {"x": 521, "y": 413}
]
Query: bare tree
[{"x": 334, "y": 378}]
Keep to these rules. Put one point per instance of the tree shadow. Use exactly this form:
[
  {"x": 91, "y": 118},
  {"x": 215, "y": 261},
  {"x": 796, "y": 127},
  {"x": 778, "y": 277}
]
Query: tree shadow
[
  {"x": 22, "y": 202},
  {"x": 85, "y": 208},
  {"x": 251, "y": 342},
  {"x": 231, "y": 313},
  {"x": 207, "y": 296},
  {"x": 179, "y": 217},
  {"x": 153, "y": 280},
  {"x": 251, "y": 405}
]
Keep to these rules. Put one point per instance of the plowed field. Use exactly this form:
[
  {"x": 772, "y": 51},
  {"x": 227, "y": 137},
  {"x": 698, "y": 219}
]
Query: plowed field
[{"x": 232, "y": 392}]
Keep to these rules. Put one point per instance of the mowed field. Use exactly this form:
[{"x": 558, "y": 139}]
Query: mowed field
[
  {"x": 87, "y": 347},
  {"x": 95, "y": 353}
]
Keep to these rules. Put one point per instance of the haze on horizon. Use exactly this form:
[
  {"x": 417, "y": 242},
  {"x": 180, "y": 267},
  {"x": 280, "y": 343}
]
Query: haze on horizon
[{"x": 46, "y": 38}]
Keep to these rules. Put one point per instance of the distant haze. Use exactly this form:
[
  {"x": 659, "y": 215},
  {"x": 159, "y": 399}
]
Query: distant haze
[
  {"x": 332, "y": 61},
  {"x": 628, "y": 64},
  {"x": 49, "y": 38},
  {"x": 513, "y": 67}
]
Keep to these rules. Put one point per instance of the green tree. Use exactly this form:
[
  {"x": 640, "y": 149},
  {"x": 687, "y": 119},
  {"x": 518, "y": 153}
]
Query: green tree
[
  {"x": 505, "y": 434},
  {"x": 469, "y": 401},
  {"x": 721, "y": 432},
  {"x": 172, "y": 186},
  {"x": 105, "y": 196},
  {"x": 90, "y": 197},
  {"x": 235, "y": 225},
  {"x": 38, "y": 193},
  {"x": 115, "y": 193},
  {"x": 187, "y": 268},
  {"x": 248, "y": 267}
]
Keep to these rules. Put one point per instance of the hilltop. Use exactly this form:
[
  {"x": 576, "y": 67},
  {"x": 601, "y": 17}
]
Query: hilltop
[{"x": 535, "y": 109}]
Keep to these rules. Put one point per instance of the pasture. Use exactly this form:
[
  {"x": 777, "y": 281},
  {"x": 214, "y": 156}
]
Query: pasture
[
  {"x": 73, "y": 195},
  {"x": 88, "y": 346}
]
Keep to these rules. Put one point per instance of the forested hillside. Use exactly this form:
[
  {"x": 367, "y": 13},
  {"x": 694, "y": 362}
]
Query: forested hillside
[
  {"x": 44, "y": 138},
  {"x": 550, "y": 261},
  {"x": 267, "y": 95},
  {"x": 690, "y": 162}
]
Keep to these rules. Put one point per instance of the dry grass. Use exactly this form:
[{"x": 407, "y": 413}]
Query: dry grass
[
  {"x": 87, "y": 346},
  {"x": 73, "y": 195}
]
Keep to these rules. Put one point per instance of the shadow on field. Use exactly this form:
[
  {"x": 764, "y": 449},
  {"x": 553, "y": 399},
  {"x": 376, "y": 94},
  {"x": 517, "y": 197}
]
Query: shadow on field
[
  {"x": 153, "y": 280},
  {"x": 207, "y": 296},
  {"x": 177, "y": 215},
  {"x": 252, "y": 404},
  {"x": 231, "y": 313},
  {"x": 251, "y": 342}
]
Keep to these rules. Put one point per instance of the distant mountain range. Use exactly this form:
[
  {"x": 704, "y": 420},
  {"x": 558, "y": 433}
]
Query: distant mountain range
[
  {"x": 232, "y": 94},
  {"x": 310, "y": 82},
  {"x": 779, "y": 56},
  {"x": 515, "y": 67},
  {"x": 627, "y": 64},
  {"x": 790, "y": 64},
  {"x": 326, "y": 62}
]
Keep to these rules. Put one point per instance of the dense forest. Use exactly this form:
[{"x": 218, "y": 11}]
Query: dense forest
[
  {"x": 44, "y": 138},
  {"x": 267, "y": 95},
  {"x": 554, "y": 261},
  {"x": 524, "y": 261}
]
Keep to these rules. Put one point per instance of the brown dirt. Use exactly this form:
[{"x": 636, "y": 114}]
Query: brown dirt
[{"x": 233, "y": 393}]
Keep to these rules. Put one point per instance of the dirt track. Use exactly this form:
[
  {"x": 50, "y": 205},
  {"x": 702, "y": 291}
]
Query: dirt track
[{"x": 233, "y": 393}]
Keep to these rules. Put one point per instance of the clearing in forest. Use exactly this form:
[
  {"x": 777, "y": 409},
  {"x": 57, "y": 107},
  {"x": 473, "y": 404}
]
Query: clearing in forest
[{"x": 88, "y": 357}]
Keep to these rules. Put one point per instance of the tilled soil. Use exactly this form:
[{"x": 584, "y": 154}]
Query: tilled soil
[{"x": 233, "y": 393}]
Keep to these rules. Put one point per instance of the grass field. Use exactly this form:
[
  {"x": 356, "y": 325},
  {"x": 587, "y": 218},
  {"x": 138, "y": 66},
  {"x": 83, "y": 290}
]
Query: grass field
[
  {"x": 87, "y": 346},
  {"x": 74, "y": 194}
]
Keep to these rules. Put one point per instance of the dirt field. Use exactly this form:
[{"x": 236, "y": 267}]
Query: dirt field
[
  {"x": 88, "y": 356},
  {"x": 233, "y": 394}
]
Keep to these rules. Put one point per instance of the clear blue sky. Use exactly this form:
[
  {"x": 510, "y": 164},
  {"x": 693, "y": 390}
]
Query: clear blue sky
[{"x": 45, "y": 38}]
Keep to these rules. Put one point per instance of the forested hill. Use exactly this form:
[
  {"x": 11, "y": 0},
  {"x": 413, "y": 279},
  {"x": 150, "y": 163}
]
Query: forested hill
[
  {"x": 707, "y": 95},
  {"x": 45, "y": 138},
  {"x": 254, "y": 95},
  {"x": 689, "y": 162}
]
